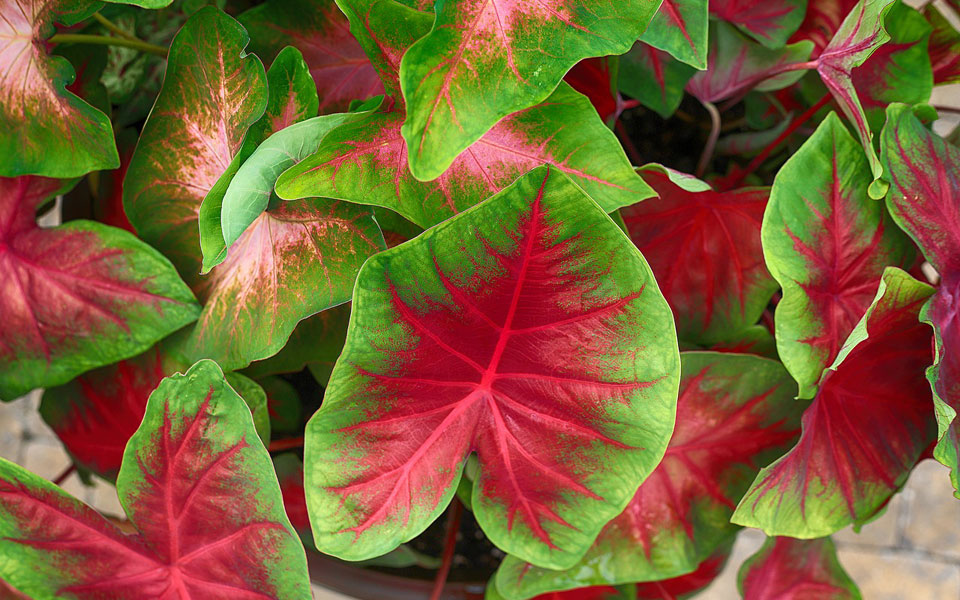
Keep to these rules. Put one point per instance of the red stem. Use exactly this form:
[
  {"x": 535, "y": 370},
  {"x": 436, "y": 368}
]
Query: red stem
[
  {"x": 734, "y": 179},
  {"x": 66, "y": 473},
  {"x": 286, "y": 444},
  {"x": 453, "y": 526}
]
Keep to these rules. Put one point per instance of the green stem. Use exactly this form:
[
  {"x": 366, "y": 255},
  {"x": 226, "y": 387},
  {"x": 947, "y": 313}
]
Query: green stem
[
  {"x": 112, "y": 27},
  {"x": 105, "y": 40}
]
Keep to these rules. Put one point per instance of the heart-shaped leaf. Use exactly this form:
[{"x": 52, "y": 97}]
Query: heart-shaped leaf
[
  {"x": 865, "y": 430},
  {"x": 789, "y": 569},
  {"x": 769, "y": 22},
  {"x": 944, "y": 47},
  {"x": 737, "y": 64},
  {"x": 47, "y": 130},
  {"x": 77, "y": 296},
  {"x": 95, "y": 414},
  {"x": 478, "y": 336},
  {"x": 735, "y": 413},
  {"x": 827, "y": 243},
  {"x": 923, "y": 199},
  {"x": 521, "y": 50},
  {"x": 212, "y": 92},
  {"x": 679, "y": 28},
  {"x": 704, "y": 248},
  {"x": 198, "y": 486},
  {"x": 653, "y": 78},
  {"x": 320, "y": 31}
]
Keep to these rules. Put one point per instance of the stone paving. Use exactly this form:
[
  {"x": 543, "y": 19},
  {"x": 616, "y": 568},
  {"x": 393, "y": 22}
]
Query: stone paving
[{"x": 912, "y": 552}]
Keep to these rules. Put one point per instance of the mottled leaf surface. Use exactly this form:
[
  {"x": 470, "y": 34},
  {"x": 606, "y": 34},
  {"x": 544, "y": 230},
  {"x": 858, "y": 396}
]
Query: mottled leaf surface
[
  {"x": 521, "y": 50},
  {"x": 198, "y": 487},
  {"x": 212, "y": 92},
  {"x": 704, "y": 247},
  {"x": 735, "y": 413},
  {"x": 77, "y": 296},
  {"x": 790, "y": 569},
  {"x": 653, "y": 78},
  {"x": 770, "y": 22},
  {"x": 46, "y": 129},
  {"x": 827, "y": 244},
  {"x": 478, "y": 337},
  {"x": 944, "y": 47},
  {"x": 865, "y": 430},
  {"x": 679, "y": 28}
]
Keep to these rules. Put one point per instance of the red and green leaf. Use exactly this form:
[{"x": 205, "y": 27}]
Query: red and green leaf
[
  {"x": 790, "y": 569},
  {"x": 365, "y": 161},
  {"x": 827, "y": 244},
  {"x": 653, "y": 78},
  {"x": 477, "y": 337},
  {"x": 769, "y": 22},
  {"x": 689, "y": 585},
  {"x": 679, "y": 28},
  {"x": 290, "y": 476},
  {"x": 315, "y": 344},
  {"x": 212, "y": 92},
  {"x": 198, "y": 487},
  {"x": 594, "y": 78},
  {"x": 318, "y": 29},
  {"x": 521, "y": 50},
  {"x": 95, "y": 414},
  {"x": 865, "y": 430},
  {"x": 704, "y": 248},
  {"x": 47, "y": 130},
  {"x": 737, "y": 64},
  {"x": 944, "y": 375},
  {"x": 944, "y": 47},
  {"x": 821, "y": 22},
  {"x": 735, "y": 413},
  {"x": 78, "y": 296}
]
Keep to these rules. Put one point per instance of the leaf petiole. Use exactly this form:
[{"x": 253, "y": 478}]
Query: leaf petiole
[{"x": 105, "y": 40}]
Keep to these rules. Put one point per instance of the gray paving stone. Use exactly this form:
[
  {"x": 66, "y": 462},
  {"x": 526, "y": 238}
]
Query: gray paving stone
[
  {"x": 900, "y": 575},
  {"x": 933, "y": 524}
]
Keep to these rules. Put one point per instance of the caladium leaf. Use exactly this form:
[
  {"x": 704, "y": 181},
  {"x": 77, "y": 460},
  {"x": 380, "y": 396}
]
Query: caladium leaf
[
  {"x": 821, "y": 22},
  {"x": 770, "y": 23},
  {"x": 316, "y": 342},
  {"x": 283, "y": 403},
  {"x": 790, "y": 569},
  {"x": 291, "y": 97},
  {"x": 474, "y": 337},
  {"x": 859, "y": 36},
  {"x": 365, "y": 161},
  {"x": 689, "y": 585},
  {"x": 520, "y": 50},
  {"x": 212, "y": 92},
  {"x": 108, "y": 207},
  {"x": 704, "y": 247},
  {"x": 47, "y": 130},
  {"x": 866, "y": 428},
  {"x": 289, "y": 470},
  {"x": 735, "y": 413},
  {"x": 923, "y": 199},
  {"x": 95, "y": 414},
  {"x": 198, "y": 487},
  {"x": 899, "y": 70},
  {"x": 737, "y": 64},
  {"x": 594, "y": 78},
  {"x": 944, "y": 47},
  {"x": 600, "y": 592},
  {"x": 77, "y": 296},
  {"x": 679, "y": 28},
  {"x": 827, "y": 243},
  {"x": 320, "y": 31},
  {"x": 653, "y": 78}
]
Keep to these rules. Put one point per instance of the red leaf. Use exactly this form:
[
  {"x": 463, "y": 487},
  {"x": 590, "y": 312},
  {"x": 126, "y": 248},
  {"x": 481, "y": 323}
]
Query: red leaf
[
  {"x": 591, "y": 77},
  {"x": 821, "y": 21},
  {"x": 944, "y": 47},
  {"x": 942, "y": 313},
  {"x": 704, "y": 247},
  {"x": 687, "y": 585},
  {"x": 768, "y": 21},
  {"x": 790, "y": 569}
]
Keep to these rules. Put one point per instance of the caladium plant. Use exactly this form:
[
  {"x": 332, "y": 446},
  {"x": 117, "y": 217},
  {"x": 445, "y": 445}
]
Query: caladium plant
[{"x": 601, "y": 282}]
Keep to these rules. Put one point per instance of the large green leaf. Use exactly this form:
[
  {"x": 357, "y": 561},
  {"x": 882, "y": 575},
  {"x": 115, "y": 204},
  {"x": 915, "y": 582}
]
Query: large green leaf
[
  {"x": 479, "y": 336},
  {"x": 486, "y": 59},
  {"x": 827, "y": 243},
  {"x": 212, "y": 92}
]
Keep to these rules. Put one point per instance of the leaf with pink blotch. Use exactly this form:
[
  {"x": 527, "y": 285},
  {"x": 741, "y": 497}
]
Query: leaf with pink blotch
[
  {"x": 827, "y": 244},
  {"x": 769, "y": 22},
  {"x": 865, "y": 430},
  {"x": 197, "y": 486},
  {"x": 735, "y": 413},
  {"x": 77, "y": 296},
  {"x": 790, "y": 569},
  {"x": 476, "y": 337},
  {"x": 47, "y": 130}
]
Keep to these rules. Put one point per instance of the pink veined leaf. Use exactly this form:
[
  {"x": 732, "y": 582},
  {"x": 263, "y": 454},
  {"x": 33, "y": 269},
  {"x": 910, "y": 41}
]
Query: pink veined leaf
[
  {"x": 735, "y": 413},
  {"x": 770, "y": 22},
  {"x": 944, "y": 47},
  {"x": 942, "y": 314},
  {"x": 704, "y": 247},
  {"x": 653, "y": 78},
  {"x": 821, "y": 22},
  {"x": 475, "y": 338},
  {"x": 198, "y": 487},
  {"x": 317, "y": 28},
  {"x": 790, "y": 569},
  {"x": 47, "y": 130},
  {"x": 680, "y": 28},
  {"x": 77, "y": 296},
  {"x": 212, "y": 92},
  {"x": 865, "y": 430},
  {"x": 691, "y": 584}
]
